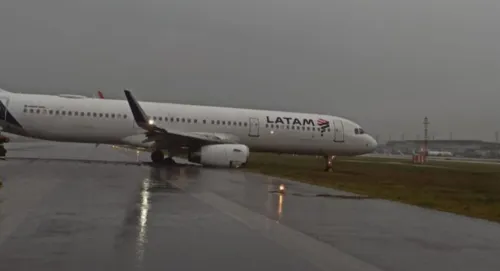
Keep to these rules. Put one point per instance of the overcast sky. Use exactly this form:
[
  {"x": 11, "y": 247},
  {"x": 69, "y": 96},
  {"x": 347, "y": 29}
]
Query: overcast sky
[{"x": 382, "y": 63}]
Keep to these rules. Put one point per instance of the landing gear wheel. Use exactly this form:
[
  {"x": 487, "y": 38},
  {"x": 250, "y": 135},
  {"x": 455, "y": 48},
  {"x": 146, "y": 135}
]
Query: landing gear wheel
[
  {"x": 3, "y": 152},
  {"x": 169, "y": 161},
  {"x": 157, "y": 156}
]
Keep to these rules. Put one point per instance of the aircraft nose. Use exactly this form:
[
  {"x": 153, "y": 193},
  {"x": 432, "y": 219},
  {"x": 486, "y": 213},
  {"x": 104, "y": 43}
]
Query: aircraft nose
[{"x": 372, "y": 143}]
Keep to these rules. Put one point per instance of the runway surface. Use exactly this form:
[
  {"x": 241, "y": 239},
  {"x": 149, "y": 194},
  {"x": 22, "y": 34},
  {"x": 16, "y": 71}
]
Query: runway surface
[{"x": 78, "y": 207}]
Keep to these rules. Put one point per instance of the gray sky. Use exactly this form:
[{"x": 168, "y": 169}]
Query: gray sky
[{"x": 383, "y": 63}]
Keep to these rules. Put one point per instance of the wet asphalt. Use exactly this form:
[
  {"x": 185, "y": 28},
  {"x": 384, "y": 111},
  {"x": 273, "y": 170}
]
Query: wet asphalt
[{"x": 81, "y": 207}]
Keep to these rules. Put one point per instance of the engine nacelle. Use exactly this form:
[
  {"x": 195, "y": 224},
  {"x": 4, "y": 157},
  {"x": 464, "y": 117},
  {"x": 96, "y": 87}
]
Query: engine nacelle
[{"x": 221, "y": 155}]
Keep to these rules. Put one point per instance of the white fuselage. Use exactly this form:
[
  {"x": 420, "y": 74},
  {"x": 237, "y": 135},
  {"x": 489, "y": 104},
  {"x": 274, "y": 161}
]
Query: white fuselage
[{"x": 107, "y": 121}]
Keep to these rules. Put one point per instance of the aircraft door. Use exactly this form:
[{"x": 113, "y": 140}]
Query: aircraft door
[
  {"x": 4, "y": 101},
  {"x": 338, "y": 130},
  {"x": 253, "y": 127}
]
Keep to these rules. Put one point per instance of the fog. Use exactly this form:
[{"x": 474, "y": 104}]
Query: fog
[{"x": 382, "y": 63}]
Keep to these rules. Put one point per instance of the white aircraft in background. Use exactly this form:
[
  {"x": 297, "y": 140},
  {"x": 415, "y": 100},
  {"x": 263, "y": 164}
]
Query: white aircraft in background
[
  {"x": 209, "y": 135},
  {"x": 439, "y": 153}
]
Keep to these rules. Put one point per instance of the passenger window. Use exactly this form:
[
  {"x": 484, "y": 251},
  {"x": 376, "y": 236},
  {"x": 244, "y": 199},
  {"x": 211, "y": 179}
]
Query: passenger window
[
  {"x": 218, "y": 122},
  {"x": 189, "y": 120},
  {"x": 50, "y": 112},
  {"x": 183, "y": 119},
  {"x": 100, "y": 115},
  {"x": 195, "y": 120},
  {"x": 223, "y": 122},
  {"x": 57, "y": 112},
  {"x": 245, "y": 124},
  {"x": 239, "y": 123},
  {"x": 25, "y": 110},
  {"x": 213, "y": 122},
  {"x": 124, "y": 116},
  {"x": 160, "y": 118},
  {"x": 267, "y": 125},
  {"x": 113, "y": 115},
  {"x": 106, "y": 115}
]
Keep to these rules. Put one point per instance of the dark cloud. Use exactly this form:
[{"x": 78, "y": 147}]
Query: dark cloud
[{"x": 383, "y": 63}]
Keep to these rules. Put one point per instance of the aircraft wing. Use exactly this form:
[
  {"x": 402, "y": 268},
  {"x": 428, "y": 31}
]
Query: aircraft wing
[{"x": 166, "y": 136}]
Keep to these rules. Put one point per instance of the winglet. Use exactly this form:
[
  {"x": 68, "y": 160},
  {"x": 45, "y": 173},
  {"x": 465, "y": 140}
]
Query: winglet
[
  {"x": 100, "y": 94},
  {"x": 139, "y": 116}
]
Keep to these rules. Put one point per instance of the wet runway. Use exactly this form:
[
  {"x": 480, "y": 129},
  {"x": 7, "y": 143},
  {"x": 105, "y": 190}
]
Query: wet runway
[{"x": 78, "y": 207}]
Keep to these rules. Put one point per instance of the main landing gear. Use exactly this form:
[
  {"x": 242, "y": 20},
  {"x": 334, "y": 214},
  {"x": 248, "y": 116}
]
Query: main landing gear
[
  {"x": 3, "y": 152},
  {"x": 158, "y": 157},
  {"x": 329, "y": 162}
]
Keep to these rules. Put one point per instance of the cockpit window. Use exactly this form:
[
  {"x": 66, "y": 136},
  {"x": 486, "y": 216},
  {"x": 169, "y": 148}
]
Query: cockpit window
[{"x": 359, "y": 131}]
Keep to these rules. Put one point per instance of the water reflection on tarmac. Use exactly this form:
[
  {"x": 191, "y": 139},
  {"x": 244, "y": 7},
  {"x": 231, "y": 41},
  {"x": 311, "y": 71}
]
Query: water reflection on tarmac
[{"x": 77, "y": 207}]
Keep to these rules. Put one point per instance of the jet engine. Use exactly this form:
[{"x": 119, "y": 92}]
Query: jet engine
[{"x": 220, "y": 155}]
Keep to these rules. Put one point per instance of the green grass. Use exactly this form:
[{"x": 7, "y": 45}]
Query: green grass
[{"x": 462, "y": 188}]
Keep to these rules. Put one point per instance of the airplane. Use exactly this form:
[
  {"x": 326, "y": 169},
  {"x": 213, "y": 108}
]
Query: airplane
[{"x": 210, "y": 136}]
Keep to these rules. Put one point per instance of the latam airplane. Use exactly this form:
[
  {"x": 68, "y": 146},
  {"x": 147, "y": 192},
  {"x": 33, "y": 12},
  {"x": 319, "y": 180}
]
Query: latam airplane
[{"x": 209, "y": 135}]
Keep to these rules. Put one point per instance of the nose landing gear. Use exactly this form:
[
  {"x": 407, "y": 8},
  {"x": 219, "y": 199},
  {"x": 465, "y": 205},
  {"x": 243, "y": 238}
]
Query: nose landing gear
[{"x": 329, "y": 162}]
